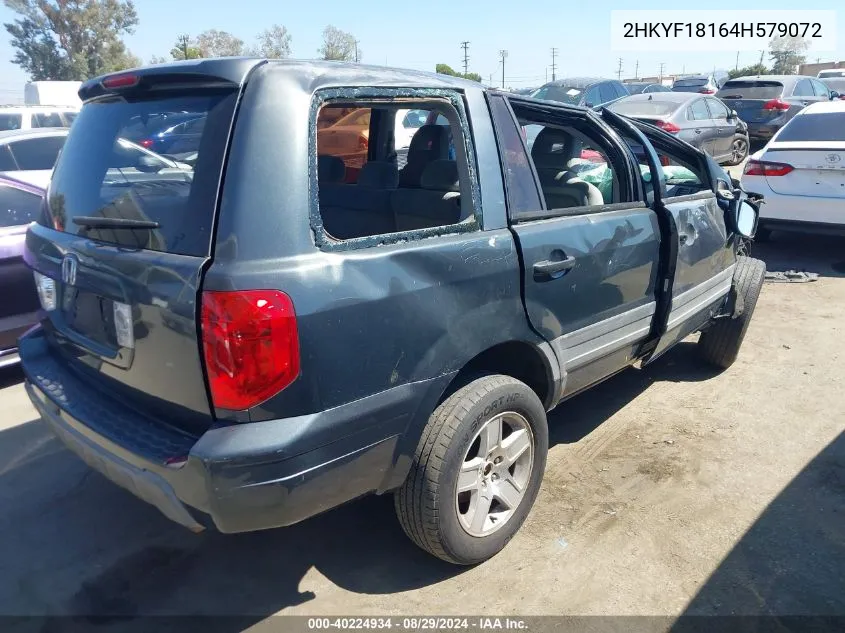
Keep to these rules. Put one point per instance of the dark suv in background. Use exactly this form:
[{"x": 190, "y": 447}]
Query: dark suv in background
[
  {"x": 590, "y": 92},
  {"x": 767, "y": 102}
]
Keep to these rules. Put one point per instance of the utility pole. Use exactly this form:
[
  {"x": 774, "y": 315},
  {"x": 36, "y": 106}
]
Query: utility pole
[
  {"x": 465, "y": 46},
  {"x": 547, "y": 75},
  {"x": 737, "y": 61},
  {"x": 184, "y": 42},
  {"x": 761, "y": 57},
  {"x": 637, "y": 70},
  {"x": 356, "y": 51},
  {"x": 504, "y": 55},
  {"x": 554, "y": 66},
  {"x": 662, "y": 66},
  {"x": 619, "y": 70}
]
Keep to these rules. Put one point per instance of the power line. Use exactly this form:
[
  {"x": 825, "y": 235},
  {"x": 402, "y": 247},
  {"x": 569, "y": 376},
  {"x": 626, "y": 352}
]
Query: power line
[
  {"x": 503, "y": 54},
  {"x": 465, "y": 46},
  {"x": 554, "y": 66}
]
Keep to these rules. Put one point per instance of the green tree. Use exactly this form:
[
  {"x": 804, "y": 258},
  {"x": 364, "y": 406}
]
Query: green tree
[
  {"x": 749, "y": 71},
  {"x": 445, "y": 69},
  {"x": 787, "y": 53},
  {"x": 71, "y": 39},
  {"x": 214, "y": 43},
  {"x": 185, "y": 48},
  {"x": 273, "y": 43},
  {"x": 339, "y": 46}
]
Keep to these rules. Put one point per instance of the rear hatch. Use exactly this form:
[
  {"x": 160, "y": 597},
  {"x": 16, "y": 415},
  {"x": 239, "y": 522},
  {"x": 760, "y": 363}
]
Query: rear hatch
[
  {"x": 749, "y": 96},
  {"x": 125, "y": 234},
  {"x": 814, "y": 146}
]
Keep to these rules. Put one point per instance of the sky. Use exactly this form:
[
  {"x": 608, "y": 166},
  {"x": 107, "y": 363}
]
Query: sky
[{"x": 421, "y": 35}]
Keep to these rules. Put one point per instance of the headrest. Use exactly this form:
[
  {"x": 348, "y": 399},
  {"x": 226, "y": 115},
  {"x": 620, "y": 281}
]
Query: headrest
[
  {"x": 378, "y": 174},
  {"x": 432, "y": 139},
  {"x": 441, "y": 175},
  {"x": 330, "y": 169},
  {"x": 552, "y": 148}
]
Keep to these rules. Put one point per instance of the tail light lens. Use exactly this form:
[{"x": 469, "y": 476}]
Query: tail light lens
[
  {"x": 707, "y": 91},
  {"x": 146, "y": 143},
  {"x": 363, "y": 143},
  {"x": 765, "y": 168},
  {"x": 250, "y": 345},
  {"x": 668, "y": 126},
  {"x": 776, "y": 104}
]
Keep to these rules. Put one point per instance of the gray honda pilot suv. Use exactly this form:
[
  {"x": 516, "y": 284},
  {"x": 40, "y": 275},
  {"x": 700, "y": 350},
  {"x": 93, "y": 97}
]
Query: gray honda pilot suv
[{"x": 288, "y": 320}]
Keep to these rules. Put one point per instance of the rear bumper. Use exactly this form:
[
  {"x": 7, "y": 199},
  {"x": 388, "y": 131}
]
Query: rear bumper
[
  {"x": 763, "y": 132},
  {"x": 244, "y": 477},
  {"x": 812, "y": 214}
]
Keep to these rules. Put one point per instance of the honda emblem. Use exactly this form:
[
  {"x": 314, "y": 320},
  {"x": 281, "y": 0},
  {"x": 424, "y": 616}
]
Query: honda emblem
[{"x": 69, "y": 266}]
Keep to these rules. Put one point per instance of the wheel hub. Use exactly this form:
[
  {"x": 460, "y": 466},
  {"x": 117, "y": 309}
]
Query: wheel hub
[{"x": 495, "y": 474}]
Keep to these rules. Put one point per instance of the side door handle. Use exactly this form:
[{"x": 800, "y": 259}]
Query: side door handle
[
  {"x": 553, "y": 268},
  {"x": 697, "y": 130}
]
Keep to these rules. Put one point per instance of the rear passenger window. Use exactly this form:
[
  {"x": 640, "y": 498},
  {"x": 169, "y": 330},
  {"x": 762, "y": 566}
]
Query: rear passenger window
[
  {"x": 37, "y": 153},
  {"x": 372, "y": 182},
  {"x": 698, "y": 111},
  {"x": 10, "y": 122},
  {"x": 47, "y": 119}
]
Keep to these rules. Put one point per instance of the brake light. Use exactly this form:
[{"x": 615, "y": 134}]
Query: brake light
[
  {"x": 126, "y": 80},
  {"x": 765, "y": 168},
  {"x": 668, "y": 126},
  {"x": 707, "y": 91},
  {"x": 776, "y": 104},
  {"x": 363, "y": 143},
  {"x": 250, "y": 345},
  {"x": 146, "y": 143}
]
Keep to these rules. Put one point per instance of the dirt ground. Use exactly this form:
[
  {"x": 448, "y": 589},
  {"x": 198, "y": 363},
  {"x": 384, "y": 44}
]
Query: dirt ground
[{"x": 669, "y": 490}]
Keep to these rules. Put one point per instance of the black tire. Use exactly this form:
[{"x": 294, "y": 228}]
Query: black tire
[
  {"x": 740, "y": 143},
  {"x": 719, "y": 344},
  {"x": 426, "y": 502}
]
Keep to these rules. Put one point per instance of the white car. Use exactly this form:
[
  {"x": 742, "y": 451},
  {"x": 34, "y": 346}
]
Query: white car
[
  {"x": 801, "y": 173},
  {"x": 29, "y": 156},
  {"x": 33, "y": 117}
]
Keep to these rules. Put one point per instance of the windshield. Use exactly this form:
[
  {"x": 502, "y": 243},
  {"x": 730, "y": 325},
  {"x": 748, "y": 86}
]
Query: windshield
[
  {"x": 101, "y": 173},
  {"x": 644, "y": 108},
  {"x": 832, "y": 73},
  {"x": 751, "y": 89},
  {"x": 826, "y": 126},
  {"x": 563, "y": 94}
]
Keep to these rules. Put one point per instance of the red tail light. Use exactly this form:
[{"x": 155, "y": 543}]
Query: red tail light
[
  {"x": 668, "y": 126},
  {"x": 776, "y": 104},
  {"x": 363, "y": 143},
  {"x": 121, "y": 81},
  {"x": 764, "y": 168},
  {"x": 147, "y": 143},
  {"x": 250, "y": 345},
  {"x": 707, "y": 91}
]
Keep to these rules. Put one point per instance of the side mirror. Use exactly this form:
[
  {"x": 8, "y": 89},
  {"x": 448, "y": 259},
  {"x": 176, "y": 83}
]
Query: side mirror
[
  {"x": 733, "y": 115},
  {"x": 746, "y": 219},
  {"x": 834, "y": 95}
]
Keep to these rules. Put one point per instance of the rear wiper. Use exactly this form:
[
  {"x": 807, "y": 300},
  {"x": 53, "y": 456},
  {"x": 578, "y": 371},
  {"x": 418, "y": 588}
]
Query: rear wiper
[{"x": 114, "y": 223}]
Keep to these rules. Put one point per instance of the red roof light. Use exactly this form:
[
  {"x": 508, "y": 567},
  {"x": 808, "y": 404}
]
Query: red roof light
[{"x": 121, "y": 81}]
